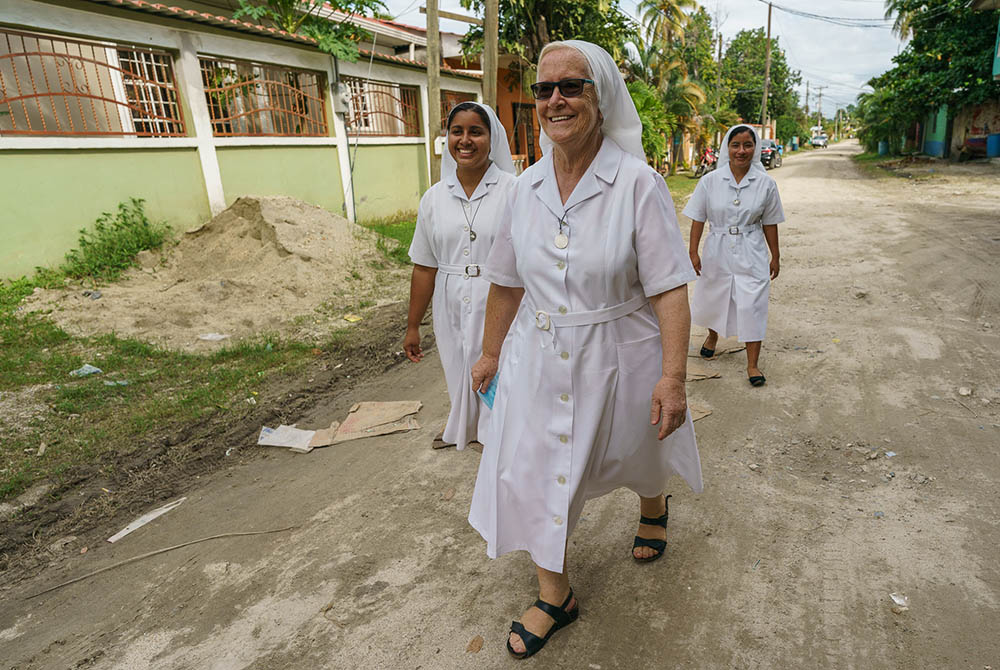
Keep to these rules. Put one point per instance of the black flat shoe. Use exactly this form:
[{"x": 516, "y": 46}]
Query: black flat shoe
[
  {"x": 532, "y": 643},
  {"x": 757, "y": 380},
  {"x": 707, "y": 353},
  {"x": 656, "y": 545}
]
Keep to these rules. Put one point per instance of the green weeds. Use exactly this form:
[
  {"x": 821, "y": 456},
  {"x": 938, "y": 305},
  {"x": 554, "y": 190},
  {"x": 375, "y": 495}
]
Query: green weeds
[{"x": 398, "y": 227}]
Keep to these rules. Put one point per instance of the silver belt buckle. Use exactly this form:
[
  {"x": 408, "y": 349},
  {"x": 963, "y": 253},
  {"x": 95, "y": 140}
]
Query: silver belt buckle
[
  {"x": 542, "y": 320},
  {"x": 469, "y": 268},
  {"x": 734, "y": 230}
]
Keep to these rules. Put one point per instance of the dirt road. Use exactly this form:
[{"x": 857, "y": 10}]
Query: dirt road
[{"x": 887, "y": 306}]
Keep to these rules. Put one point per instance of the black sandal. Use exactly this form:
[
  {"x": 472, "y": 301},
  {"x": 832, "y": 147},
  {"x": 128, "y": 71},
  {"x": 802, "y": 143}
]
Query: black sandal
[
  {"x": 707, "y": 353},
  {"x": 656, "y": 545},
  {"x": 532, "y": 643},
  {"x": 757, "y": 380}
]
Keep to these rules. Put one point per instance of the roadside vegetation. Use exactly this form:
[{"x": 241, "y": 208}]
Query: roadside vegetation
[{"x": 52, "y": 424}]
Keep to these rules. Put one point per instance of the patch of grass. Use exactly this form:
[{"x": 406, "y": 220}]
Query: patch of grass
[
  {"x": 110, "y": 247},
  {"x": 873, "y": 165},
  {"x": 399, "y": 227},
  {"x": 83, "y": 420},
  {"x": 681, "y": 187}
]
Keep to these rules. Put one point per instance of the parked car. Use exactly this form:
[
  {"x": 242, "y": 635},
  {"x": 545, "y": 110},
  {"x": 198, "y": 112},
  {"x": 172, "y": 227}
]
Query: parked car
[
  {"x": 770, "y": 154},
  {"x": 819, "y": 141}
]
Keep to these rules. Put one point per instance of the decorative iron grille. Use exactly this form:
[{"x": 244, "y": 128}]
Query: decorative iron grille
[
  {"x": 247, "y": 99},
  {"x": 55, "y": 86},
  {"x": 382, "y": 108},
  {"x": 451, "y": 98}
]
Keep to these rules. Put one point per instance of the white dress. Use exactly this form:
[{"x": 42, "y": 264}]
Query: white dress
[
  {"x": 571, "y": 416},
  {"x": 441, "y": 240},
  {"x": 731, "y": 295}
]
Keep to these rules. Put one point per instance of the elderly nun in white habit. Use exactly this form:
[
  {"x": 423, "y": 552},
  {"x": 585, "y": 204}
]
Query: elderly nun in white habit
[
  {"x": 590, "y": 394},
  {"x": 740, "y": 201},
  {"x": 456, "y": 222}
]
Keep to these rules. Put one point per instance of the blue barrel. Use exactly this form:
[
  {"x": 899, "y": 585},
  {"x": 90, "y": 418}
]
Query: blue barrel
[
  {"x": 993, "y": 145},
  {"x": 883, "y": 148}
]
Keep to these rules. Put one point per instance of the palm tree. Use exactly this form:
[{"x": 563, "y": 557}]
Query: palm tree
[
  {"x": 664, "y": 20},
  {"x": 903, "y": 27}
]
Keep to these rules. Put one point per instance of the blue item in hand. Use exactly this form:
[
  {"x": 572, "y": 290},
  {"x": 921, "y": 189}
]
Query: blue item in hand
[{"x": 491, "y": 392}]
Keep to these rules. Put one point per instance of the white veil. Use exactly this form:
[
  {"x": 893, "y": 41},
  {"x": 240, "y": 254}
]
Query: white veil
[
  {"x": 621, "y": 120},
  {"x": 499, "y": 148},
  {"x": 755, "y": 164}
]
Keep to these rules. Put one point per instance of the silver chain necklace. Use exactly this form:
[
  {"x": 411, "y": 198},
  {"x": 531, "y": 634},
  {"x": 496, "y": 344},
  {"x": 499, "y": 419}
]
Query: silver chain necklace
[{"x": 465, "y": 211}]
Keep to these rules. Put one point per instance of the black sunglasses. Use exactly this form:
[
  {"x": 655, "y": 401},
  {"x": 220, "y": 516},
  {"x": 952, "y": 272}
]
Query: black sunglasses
[{"x": 568, "y": 88}]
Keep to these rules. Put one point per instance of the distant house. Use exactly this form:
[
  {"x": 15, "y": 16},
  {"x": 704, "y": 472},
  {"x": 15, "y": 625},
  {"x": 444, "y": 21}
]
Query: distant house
[{"x": 187, "y": 108}]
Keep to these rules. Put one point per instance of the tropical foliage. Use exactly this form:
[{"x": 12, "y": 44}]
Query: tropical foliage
[{"x": 310, "y": 18}]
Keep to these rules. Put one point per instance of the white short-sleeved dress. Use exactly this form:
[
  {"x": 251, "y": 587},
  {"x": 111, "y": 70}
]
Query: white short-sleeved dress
[
  {"x": 571, "y": 416},
  {"x": 731, "y": 295},
  {"x": 442, "y": 240}
]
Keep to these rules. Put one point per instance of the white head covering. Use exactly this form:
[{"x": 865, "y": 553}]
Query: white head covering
[
  {"x": 755, "y": 164},
  {"x": 499, "y": 148},
  {"x": 621, "y": 121}
]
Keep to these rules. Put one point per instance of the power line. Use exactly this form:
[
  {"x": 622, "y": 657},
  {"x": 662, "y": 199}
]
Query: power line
[{"x": 850, "y": 22}]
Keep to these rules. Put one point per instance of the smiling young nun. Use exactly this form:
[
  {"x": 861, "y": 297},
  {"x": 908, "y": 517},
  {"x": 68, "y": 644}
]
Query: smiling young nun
[
  {"x": 741, "y": 202},
  {"x": 456, "y": 222},
  {"x": 589, "y": 274}
]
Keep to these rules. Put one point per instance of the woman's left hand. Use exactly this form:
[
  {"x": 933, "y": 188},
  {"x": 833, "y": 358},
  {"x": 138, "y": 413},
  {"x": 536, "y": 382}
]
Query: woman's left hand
[
  {"x": 775, "y": 268},
  {"x": 669, "y": 406}
]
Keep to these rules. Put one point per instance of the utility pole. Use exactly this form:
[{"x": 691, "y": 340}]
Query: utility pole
[
  {"x": 433, "y": 86},
  {"x": 819, "y": 106},
  {"x": 807, "y": 98},
  {"x": 767, "y": 73},
  {"x": 491, "y": 46}
]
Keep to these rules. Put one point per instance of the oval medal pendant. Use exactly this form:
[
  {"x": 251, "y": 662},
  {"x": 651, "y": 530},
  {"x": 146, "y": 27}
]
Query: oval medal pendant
[
  {"x": 736, "y": 202},
  {"x": 472, "y": 236},
  {"x": 562, "y": 241}
]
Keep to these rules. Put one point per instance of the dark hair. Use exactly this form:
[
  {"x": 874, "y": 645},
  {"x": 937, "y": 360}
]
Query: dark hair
[
  {"x": 469, "y": 107},
  {"x": 739, "y": 130}
]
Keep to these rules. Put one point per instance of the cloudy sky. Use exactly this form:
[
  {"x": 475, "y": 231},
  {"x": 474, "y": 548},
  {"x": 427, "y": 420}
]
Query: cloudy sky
[{"x": 839, "y": 57}]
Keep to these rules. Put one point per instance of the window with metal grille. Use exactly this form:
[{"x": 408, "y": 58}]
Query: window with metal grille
[
  {"x": 382, "y": 108},
  {"x": 50, "y": 85},
  {"x": 247, "y": 99},
  {"x": 451, "y": 98}
]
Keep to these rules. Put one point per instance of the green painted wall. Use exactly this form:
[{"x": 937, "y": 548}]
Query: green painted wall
[
  {"x": 311, "y": 174},
  {"x": 388, "y": 178},
  {"x": 48, "y": 195},
  {"x": 996, "y": 54}
]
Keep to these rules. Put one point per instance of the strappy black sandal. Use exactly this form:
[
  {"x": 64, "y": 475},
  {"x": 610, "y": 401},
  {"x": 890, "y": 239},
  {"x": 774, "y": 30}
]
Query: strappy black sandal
[
  {"x": 532, "y": 643},
  {"x": 757, "y": 380},
  {"x": 707, "y": 353},
  {"x": 656, "y": 545}
]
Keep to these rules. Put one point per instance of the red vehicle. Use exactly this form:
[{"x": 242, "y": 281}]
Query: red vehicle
[{"x": 709, "y": 159}]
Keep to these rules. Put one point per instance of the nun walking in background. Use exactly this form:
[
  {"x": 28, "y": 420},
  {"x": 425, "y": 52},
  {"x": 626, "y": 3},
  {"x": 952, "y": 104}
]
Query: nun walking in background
[
  {"x": 589, "y": 273},
  {"x": 456, "y": 222},
  {"x": 741, "y": 202}
]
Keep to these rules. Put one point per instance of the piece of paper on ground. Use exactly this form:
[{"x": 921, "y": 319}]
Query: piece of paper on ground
[
  {"x": 698, "y": 411},
  {"x": 697, "y": 373},
  {"x": 367, "y": 419},
  {"x": 286, "y": 436},
  {"x": 144, "y": 519},
  {"x": 325, "y": 436}
]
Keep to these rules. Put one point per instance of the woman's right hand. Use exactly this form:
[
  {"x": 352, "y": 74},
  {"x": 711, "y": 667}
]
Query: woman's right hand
[
  {"x": 483, "y": 372},
  {"x": 411, "y": 344},
  {"x": 696, "y": 262}
]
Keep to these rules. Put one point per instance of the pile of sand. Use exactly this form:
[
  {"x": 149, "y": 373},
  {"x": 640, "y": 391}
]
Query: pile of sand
[{"x": 265, "y": 265}]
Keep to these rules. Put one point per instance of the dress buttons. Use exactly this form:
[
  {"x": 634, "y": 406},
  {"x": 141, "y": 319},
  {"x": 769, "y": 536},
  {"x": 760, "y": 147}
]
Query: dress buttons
[
  {"x": 561, "y": 265},
  {"x": 557, "y": 520},
  {"x": 466, "y": 299},
  {"x": 562, "y": 309},
  {"x": 563, "y": 439},
  {"x": 564, "y": 397},
  {"x": 465, "y": 252},
  {"x": 465, "y": 228},
  {"x": 561, "y": 480},
  {"x": 564, "y": 355}
]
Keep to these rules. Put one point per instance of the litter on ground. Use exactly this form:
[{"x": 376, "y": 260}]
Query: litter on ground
[{"x": 145, "y": 518}]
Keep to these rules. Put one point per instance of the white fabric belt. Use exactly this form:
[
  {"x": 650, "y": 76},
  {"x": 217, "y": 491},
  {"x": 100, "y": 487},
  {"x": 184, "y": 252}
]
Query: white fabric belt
[
  {"x": 732, "y": 230},
  {"x": 548, "y": 322},
  {"x": 470, "y": 270}
]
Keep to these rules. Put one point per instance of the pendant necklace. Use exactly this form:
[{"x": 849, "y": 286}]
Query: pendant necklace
[
  {"x": 465, "y": 211},
  {"x": 562, "y": 239}
]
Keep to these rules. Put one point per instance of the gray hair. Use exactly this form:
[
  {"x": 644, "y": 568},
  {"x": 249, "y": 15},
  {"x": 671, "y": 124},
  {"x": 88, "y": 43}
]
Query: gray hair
[{"x": 559, "y": 44}]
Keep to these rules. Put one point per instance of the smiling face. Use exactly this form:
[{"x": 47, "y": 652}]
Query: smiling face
[
  {"x": 469, "y": 140},
  {"x": 741, "y": 149},
  {"x": 567, "y": 120}
]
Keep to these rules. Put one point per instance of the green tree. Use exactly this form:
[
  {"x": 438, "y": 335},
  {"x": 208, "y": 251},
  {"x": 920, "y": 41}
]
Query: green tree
[
  {"x": 743, "y": 75},
  {"x": 665, "y": 20},
  {"x": 657, "y": 124},
  {"x": 302, "y": 17},
  {"x": 528, "y": 25}
]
